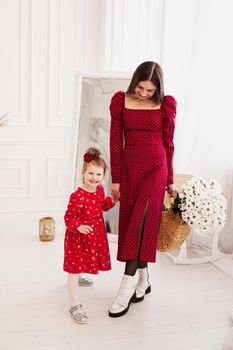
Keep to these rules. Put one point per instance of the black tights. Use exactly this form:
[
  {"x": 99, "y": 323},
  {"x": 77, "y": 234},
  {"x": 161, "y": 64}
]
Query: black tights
[{"x": 131, "y": 266}]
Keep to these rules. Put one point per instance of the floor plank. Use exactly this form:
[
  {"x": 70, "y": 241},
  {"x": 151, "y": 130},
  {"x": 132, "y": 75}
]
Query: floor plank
[{"x": 187, "y": 309}]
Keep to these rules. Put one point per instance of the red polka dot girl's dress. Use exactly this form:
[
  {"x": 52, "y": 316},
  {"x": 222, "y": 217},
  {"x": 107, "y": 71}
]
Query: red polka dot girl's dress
[
  {"x": 86, "y": 253},
  {"x": 141, "y": 149}
]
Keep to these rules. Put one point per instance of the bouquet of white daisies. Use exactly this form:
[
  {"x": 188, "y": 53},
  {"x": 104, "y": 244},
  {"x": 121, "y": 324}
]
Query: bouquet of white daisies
[{"x": 201, "y": 204}]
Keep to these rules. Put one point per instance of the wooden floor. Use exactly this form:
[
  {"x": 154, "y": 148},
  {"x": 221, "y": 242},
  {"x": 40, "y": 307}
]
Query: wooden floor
[{"x": 187, "y": 309}]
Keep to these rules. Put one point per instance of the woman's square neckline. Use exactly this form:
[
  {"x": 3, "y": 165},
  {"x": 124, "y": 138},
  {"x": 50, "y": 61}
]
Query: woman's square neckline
[{"x": 139, "y": 109}]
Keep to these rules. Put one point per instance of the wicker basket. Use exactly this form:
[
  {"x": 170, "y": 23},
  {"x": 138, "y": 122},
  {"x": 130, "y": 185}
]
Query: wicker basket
[{"x": 173, "y": 231}]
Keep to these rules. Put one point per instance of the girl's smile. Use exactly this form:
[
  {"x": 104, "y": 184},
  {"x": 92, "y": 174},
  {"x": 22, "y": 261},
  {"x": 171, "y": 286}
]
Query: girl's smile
[{"x": 92, "y": 177}]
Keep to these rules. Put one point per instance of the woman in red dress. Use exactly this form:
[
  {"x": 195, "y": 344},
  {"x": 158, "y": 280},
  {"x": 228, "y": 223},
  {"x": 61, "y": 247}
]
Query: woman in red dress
[
  {"x": 141, "y": 151},
  {"x": 86, "y": 245}
]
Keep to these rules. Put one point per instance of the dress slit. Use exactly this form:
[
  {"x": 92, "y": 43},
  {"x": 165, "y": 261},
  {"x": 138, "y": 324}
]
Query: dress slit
[{"x": 141, "y": 229}]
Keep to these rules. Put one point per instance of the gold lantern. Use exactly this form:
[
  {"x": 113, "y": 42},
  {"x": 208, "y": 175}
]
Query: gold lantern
[{"x": 47, "y": 229}]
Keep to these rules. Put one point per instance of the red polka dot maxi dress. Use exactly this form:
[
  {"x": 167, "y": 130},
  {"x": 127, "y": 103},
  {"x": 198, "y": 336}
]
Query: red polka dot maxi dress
[
  {"x": 141, "y": 151},
  {"x": 86, "y": 253}
]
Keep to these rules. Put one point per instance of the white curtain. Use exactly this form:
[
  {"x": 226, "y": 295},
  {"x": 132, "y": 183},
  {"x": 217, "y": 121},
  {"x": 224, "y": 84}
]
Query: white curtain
[
  {"x": 197, "y": 57},
  {"x": 195, "y": 50}
]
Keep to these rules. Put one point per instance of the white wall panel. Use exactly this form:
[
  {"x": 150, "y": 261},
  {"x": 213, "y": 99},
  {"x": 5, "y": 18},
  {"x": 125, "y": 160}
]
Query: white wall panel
[
  {"x": 58, "y": 176},
  {"x": 33, "y": 193},
  {"x": 42, "y": 43},
  {"x": 10, "y": 56},
  {"x": 15, "y": 177},
  {"x": 15, "y": 60},
  {"x": 61, "y": 61},
  {"x": 90, "y": 35}
]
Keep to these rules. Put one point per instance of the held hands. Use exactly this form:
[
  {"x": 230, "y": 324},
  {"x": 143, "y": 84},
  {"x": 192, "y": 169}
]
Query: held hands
[
  {"x": 171, "y": 190},
  {"x": 85, "y": 229},
  {"x": 115, "y": 189},
  {"x": 114, "y": 200}
]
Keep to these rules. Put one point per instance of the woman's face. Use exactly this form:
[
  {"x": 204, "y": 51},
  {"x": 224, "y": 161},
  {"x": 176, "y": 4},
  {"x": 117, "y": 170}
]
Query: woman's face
[{"x": 144, "y": 89}]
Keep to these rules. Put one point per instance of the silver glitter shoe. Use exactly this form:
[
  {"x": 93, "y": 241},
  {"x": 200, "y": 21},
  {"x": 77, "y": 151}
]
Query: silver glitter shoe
[
  {"x": 85, "y": 281},
  {"x": 78, "y": 315}
]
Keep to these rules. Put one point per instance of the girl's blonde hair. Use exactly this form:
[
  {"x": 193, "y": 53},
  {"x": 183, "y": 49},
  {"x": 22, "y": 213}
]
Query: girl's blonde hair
[{"x": 92, "y": 156}]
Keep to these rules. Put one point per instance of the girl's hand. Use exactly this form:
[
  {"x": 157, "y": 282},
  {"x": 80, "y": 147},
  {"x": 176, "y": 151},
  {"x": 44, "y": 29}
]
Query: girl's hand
[
  {"x": 171, "y": 190},
  {"x": 85, "y": 229},
  {"x": 115, "y": 188},
  {"x": 114, "y": 200}
]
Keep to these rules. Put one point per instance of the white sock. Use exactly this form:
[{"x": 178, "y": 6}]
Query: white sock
[{"x": 72, "y": 285}]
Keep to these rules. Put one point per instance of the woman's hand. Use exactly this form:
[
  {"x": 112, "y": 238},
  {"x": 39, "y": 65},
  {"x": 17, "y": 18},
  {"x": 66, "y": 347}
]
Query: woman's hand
[
  {"x": 171, "y": 190},
  {"x": 85, "y": 229},
  {"x": 115, "y": 189}
]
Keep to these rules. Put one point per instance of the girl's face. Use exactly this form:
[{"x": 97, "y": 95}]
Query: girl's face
[
  {"x": 144, "y": 89},
  {"x": 92, "y": 177}
]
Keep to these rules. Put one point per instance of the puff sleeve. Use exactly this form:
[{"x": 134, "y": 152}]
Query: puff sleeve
[
  {"x": 116, "y": 135},
  {"x": 169, "y": 115}
]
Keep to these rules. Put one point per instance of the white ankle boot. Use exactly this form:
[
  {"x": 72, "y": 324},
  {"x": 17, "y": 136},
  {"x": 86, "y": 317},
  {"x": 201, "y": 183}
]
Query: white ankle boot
[
  {"x": 143, "y": 285},
  {"x": 125, "y": 296}
]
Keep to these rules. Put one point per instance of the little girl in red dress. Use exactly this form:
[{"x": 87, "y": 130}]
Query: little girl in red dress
[{"x": 86, "y": 247}]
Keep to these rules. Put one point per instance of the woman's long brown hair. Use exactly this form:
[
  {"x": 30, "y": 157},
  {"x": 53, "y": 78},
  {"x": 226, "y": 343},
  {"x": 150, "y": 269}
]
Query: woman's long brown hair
[{"x": 151, "y": 71}]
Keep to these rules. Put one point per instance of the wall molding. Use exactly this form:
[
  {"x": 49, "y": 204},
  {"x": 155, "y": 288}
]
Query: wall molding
[
  {"x": 49, "y": 40},
  {"x": 58, "y": 184},
  {"x": 45, "y": 210},
  {"x": 58, "y": 62},
  {"x": 23, "y": 170},
  {"x": 14, "y": 141},
  {"x": 23, "y": 116}
]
